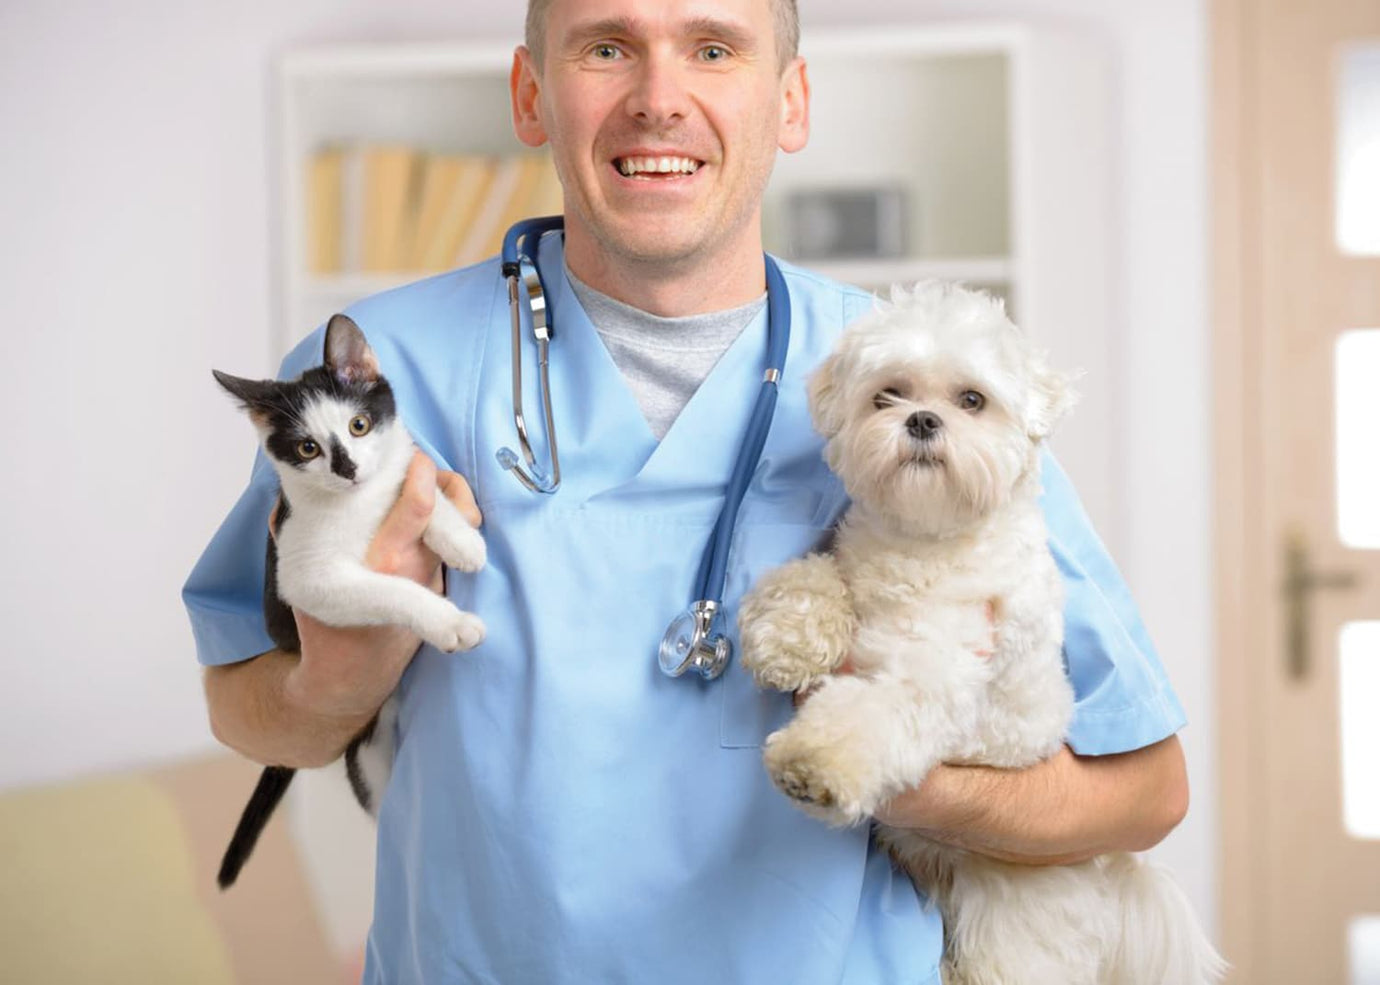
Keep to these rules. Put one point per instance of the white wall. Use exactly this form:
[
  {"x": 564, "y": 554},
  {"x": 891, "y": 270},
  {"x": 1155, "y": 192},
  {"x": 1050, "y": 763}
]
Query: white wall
[{"x": 137, "y": 256}]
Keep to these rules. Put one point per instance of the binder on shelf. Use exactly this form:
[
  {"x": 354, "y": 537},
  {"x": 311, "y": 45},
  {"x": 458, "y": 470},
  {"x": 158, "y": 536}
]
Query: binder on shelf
[
  {"x": 548, "y": 199},
  {"x": 389, "y": 206},
  {"x": 325, "y": 211},
  {"x": 513, "y": 184},
  {"x": 395, "y": 209},
  {"x": 448, "y": 207}
]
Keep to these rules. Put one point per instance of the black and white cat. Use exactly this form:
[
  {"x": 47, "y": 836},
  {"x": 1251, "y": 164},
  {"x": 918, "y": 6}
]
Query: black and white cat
[{"x": 341, "y": 455}]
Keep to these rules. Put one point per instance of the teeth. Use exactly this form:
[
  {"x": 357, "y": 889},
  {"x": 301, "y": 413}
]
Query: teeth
[{"x": 629, "y": 166}]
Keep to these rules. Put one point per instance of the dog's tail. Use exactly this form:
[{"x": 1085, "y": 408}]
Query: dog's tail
[{"x": 1161, "y": 942}]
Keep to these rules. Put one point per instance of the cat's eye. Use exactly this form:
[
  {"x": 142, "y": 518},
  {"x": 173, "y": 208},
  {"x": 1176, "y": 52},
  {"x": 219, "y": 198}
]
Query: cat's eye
[
  {"x": 971, "y": 400},
  {"x": 887, "y": 398},
  {"x": 307, "y": 449},
  {"x": 360, "y": 425}
]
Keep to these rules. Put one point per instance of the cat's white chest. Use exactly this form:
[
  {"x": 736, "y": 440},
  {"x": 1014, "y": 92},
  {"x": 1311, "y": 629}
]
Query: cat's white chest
[{"x": 340, "y": 526}]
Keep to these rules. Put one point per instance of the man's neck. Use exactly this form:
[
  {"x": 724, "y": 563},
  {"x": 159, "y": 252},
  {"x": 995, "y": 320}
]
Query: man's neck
[{"x": 726, "y": 278}]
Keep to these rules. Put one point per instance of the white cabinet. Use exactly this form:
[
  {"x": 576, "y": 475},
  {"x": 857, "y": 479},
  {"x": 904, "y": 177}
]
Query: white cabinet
[{"x": 998, "y": 136}]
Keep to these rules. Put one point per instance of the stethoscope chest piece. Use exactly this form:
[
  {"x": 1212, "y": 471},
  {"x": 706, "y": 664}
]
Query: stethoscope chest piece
[{"x": 693, "y": 642}]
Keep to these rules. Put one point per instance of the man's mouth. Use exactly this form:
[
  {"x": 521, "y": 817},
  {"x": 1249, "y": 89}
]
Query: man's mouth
[{"x": 656, "y": 168}]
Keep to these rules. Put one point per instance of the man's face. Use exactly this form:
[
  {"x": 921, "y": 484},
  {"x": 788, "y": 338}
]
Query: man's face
[{"x": 631, "y": 87}]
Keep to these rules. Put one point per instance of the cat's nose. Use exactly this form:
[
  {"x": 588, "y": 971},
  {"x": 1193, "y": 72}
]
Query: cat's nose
[{"x": 343, "y": 466}]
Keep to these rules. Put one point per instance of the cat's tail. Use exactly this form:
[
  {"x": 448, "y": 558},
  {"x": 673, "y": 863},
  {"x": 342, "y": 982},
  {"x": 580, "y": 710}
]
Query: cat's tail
[
  {"x": 1161, "y": 942},
  {"x": 273, "y": 783}
]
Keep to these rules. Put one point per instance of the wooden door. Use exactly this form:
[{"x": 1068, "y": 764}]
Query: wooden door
[{"x": 1297, "y": 318}]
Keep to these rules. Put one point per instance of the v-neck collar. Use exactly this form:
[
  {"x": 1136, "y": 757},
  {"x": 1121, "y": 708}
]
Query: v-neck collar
[{"x": 606, "y": 445}]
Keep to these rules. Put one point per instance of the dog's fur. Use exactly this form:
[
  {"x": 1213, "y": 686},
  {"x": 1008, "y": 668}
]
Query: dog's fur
[{"x": 941, "y": 591}]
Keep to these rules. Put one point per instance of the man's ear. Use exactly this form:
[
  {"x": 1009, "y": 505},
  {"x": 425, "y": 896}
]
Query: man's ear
[
  {"x": 795, "y": 107},
  {"x": 524, "y": 90},
  {"x": 826, "y": 402}
]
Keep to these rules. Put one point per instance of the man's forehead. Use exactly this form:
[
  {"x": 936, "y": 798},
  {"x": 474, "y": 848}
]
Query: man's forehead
[{"x": 659, "y": 16}]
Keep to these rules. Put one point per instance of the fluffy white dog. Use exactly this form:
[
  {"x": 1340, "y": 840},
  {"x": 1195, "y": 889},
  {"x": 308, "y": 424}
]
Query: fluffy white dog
[{"x": 941, "y": 591}]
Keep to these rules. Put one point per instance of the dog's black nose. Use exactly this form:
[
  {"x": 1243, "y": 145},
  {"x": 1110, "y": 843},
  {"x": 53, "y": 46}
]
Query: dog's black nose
[{"x": 924, "y": 424}]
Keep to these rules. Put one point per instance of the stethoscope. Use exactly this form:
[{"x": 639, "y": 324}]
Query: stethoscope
[{"x": 695, "y": 640}]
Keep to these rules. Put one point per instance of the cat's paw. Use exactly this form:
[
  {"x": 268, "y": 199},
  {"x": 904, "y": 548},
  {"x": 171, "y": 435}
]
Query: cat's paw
[
  {"x": 461, "y": 547},
  {"x": 459, "y": 630}
]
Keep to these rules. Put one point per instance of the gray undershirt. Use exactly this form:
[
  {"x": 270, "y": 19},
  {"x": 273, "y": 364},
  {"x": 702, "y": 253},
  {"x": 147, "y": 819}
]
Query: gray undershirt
[{"x": 664, "y": 360}]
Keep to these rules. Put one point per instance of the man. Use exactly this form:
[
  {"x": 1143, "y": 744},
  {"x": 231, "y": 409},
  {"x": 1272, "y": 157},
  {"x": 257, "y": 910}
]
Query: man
[{"x": 559, "y": 811}]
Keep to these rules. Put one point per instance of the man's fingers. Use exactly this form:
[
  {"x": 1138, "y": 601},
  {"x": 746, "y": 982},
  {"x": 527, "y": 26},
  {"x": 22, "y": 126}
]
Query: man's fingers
[
  {"x": 273, "y": 516},
  {"x": 405, "y": 522},
  {"x": 454, "y": 487}
]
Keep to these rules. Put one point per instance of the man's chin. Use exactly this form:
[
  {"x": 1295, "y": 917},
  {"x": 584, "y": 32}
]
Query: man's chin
[{"x": 658, "y": 239}]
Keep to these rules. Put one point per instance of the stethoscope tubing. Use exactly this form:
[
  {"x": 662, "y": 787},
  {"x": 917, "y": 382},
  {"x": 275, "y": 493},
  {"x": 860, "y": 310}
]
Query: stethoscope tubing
[
  {"x": 714, "y": 565},
  {"x": 706, "y": 648}
]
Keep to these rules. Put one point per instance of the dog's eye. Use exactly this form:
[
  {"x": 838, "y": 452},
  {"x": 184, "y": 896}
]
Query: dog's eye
[
  {"x": 887, "y": 398},
  {"x": 971, "y": 400}
]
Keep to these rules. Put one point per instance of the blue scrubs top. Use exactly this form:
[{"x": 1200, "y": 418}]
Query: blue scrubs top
[{"x": 561, "y": 812}]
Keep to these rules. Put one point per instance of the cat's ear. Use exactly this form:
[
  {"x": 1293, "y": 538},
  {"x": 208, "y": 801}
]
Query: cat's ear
[
  {"x": 348, "y": 355},
  {"x": 256, "y": 396}
]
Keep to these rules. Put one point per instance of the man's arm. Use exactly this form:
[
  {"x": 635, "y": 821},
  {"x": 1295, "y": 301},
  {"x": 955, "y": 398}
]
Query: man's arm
[
  {"x": 302, "y": 710},
  {"x": 1066, "y": 809}
]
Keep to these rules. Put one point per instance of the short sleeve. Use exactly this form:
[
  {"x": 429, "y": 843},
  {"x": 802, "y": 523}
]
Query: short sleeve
[
  {"x": 1123, "y": 697},
  {"x": 224, "y": 593}
]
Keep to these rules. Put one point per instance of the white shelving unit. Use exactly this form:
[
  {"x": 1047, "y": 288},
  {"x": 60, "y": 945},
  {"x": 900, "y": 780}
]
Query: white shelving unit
[{"x": 999, "y": 133}]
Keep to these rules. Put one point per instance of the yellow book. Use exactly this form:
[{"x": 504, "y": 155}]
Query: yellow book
[
  {"x": 325, "y": 211},
  {"x": 509, "y": 199},
  {"x": 440, "y": 172},
  {"x": 440, "y": 248},
  {"x": 389, "y": 206},
  {"x": 548, "y": 197}
]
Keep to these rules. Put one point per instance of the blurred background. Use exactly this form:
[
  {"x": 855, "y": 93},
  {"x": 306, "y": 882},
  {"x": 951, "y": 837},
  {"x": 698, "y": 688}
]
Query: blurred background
[{"x": 1181, "y": 198}]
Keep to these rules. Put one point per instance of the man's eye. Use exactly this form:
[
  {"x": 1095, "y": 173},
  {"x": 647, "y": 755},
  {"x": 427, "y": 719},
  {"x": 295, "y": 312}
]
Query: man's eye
[
  {"x": 713, "y": 53},
  {"x": 605, "y": 52}
]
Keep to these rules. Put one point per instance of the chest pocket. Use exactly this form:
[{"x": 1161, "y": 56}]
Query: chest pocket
[{"x": 790, "y": 510}]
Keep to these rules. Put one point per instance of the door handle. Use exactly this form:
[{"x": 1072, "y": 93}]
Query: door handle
[{"x": 1300, "y": 582}]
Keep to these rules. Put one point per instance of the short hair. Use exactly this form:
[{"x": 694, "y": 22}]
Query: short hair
[{"x": 787, "y": 29}]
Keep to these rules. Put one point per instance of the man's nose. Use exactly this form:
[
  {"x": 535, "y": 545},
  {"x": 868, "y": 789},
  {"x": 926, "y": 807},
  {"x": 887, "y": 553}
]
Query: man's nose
[{"x": 659, "y": 96}]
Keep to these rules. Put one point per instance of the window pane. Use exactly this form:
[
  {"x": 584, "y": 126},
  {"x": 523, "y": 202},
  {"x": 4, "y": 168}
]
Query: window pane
[
  {"x": 1365, "y": 950},
  {"x": 1358, "y": 438},
  {"x": 1359, "y": 678},
  {"x": 1358, "y": 150}
]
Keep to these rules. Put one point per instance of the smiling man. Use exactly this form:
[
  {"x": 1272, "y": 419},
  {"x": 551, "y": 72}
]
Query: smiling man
[{"x": 559, "y": 811}]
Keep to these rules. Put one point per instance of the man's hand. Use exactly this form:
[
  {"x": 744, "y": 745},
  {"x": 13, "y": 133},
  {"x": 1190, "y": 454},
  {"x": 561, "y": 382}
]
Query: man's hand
[
  {"x": 1065, "y": 809},
  {"x": 349, "y": 672}
]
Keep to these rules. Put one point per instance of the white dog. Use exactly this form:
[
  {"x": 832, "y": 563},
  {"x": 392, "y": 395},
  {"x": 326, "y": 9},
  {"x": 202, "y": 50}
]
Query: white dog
[{"x": 941, "y": 591}]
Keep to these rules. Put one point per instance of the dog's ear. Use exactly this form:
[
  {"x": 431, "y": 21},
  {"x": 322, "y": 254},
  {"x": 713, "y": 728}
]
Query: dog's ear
[
  {"x": 826, "y": 400},
  {"x": 1051, "y": 397}
]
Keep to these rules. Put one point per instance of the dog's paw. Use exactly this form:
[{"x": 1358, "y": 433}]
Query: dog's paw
[
  {"x": 815, "y": 776},
  {"x": 784, "y": 675},
  {"x": 458, "y": 630}
]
